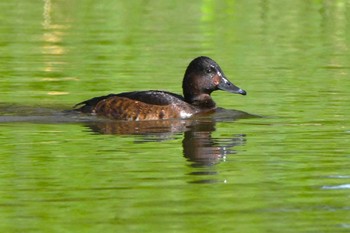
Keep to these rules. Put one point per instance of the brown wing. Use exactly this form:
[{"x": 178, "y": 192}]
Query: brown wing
[{"x": 123, "y": 108}]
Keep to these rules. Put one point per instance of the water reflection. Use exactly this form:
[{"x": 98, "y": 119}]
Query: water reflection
[
  {"x": 53, "y": 48},
  {"x": 199, "y": 146}
]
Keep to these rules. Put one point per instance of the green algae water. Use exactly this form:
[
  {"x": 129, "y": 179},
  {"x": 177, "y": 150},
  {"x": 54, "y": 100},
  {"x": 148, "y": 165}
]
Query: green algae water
[{"x": 276, "y": 160}]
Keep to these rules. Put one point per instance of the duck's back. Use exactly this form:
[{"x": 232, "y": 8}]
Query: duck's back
[{"x": 139, "y": 105}]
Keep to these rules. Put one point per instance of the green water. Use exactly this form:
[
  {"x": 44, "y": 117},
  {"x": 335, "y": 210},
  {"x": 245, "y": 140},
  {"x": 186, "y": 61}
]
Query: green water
[{"x": 287, "y": 171}]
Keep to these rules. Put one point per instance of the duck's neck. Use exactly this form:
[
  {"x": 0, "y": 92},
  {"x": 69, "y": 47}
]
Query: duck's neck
[
  {"x": 202, "y": 101},
  {"x": 194, "y": 94}
]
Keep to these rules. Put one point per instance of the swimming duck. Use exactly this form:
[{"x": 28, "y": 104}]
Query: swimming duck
[{"x": 203, "y": 76}]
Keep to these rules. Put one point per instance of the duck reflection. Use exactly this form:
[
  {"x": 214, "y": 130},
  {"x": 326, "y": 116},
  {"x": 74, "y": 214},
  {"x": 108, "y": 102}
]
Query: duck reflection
[{"x": 199, "y": 146}]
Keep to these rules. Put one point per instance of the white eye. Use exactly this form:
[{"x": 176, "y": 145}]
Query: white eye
[{"x": 210, "y": 69}]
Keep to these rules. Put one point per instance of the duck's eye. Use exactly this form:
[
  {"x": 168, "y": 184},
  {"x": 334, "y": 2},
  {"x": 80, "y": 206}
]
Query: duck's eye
[{"x": 210, "y": 69}]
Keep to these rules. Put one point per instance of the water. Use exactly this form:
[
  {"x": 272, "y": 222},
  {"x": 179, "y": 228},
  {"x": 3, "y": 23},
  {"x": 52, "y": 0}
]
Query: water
[{"x": 282, "y": 167}]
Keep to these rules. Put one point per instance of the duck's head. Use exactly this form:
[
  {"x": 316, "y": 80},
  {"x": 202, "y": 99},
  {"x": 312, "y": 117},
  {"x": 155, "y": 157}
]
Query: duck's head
[{"x": 203, "y": 76}]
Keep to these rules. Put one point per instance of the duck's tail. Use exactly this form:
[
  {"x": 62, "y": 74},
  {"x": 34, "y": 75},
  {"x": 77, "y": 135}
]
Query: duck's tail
[{"x": 88, "y": 106}]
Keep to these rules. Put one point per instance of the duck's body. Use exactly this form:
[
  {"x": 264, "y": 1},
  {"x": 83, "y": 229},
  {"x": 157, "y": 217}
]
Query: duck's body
[
  {"x": 140, "y": 105},
  {"x": 202, "y": 77}
]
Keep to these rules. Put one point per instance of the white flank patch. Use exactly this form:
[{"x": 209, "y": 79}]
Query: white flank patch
[{"x": 184, "y": 114}]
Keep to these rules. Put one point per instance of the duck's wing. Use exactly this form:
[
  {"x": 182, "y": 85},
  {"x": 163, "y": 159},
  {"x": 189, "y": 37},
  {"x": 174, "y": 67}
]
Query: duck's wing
[
  {"x": 149, "y": 97},
  {"x": 153, "y": 97}
]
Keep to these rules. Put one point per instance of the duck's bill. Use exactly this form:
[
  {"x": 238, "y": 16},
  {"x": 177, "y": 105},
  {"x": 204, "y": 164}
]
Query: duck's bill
[{"x": 226, "y": 85}]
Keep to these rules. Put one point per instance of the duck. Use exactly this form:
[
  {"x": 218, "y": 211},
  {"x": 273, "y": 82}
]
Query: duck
[{"x": 202, "y": 76}]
